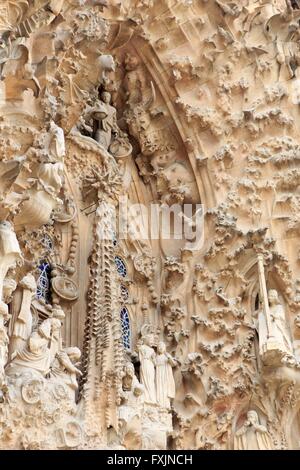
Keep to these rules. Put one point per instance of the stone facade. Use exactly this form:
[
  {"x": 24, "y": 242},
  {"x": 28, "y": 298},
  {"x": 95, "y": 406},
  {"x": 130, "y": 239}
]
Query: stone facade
[{"x": 117, "y": 332}]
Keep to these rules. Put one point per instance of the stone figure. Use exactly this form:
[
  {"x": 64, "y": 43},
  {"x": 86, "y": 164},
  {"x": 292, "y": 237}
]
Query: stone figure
[
  {"x": 278, "y": 319},
  {"x": 22, "y": 327},
  {"x": 35, "y": 355},
  {"x": 46, "y": 180},
  {"x": 130, "y": 411},
  {"x": 50, "y": 177},
  {"x": 10, "y": 252},
  {"x": 129, "y": 379},
  {"x": 147, "y": 369},
  {"x": 165, "y": 385},
  {"x": 56, "y": 142},
  {"x": 106, "y": 117},
  {"x": 56, "y": 336},
  {"x": 40, "y": 349},
  {"x": 252, "y": 435},
  {"x": 134, "y": 81},
  {"x": 278, "y": 338},
  {"x": 64, "y": 367}
]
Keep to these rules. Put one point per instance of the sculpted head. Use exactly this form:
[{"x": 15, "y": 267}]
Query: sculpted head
[
  {"x": 106, "y": 97},
  {"x": 107, "y": 62},
  {"x": 4, "y": 224},
  {"x": 58, "y": 313},
  {"x": 149, "y": 339},
  {"x": 131, "y": 62},
  {"x": 129, "y": 369},
  {"x": 138, "y": 390},
  {"x": 252, "y": 417},
  {"x": 161, "y": 347},
  {"x": 44, "y": 329},
  {"x": 273, "y": 297},
  {"x": 56, "y": 324},
  {"x": 73, "y": 353}
]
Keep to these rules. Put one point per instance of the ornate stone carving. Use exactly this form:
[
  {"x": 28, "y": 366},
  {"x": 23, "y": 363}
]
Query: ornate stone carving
[
  {"x": 252, "y": 435},
  {"x": 188, "y": 340}
]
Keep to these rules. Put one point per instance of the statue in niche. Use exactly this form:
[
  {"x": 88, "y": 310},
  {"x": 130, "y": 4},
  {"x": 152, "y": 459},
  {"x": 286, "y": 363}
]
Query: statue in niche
[
  {"x": 50, "y": 147},
  {"x": 147, "y": 369},
  {"x": 252, "y": 435},
  {"x": 135, "y": 80},
  {"x": 274, "y": 339},
  {"x": 278, "y": 319},
  {"x": 106, "y": 117},
  {"x": 278, "y": 334},
  {"x": 165, "y": 384}
]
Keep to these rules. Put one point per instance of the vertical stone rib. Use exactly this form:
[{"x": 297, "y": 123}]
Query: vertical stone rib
[{"x": 103, "y": 351}]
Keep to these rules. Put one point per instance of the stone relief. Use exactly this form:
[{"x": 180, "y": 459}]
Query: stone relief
[{"x": 113, "y": 342}]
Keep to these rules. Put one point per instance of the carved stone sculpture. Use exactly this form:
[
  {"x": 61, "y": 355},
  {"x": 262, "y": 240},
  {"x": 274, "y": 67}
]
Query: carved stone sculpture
[
  {"x": 106, "y": 118},
  {"x": 130, "y": 411},
  {"x": 252, "y": 435},
  {"x": 279, "y": 335},
  {"x": 165, "y": 385},
  {"x": 41, "y": 348},
  {"x": 147, "y": 371},
  {"x": 63, "y": 368},
  {"x": 150, "y": 207},
  {"x": 278, "y": 318}
]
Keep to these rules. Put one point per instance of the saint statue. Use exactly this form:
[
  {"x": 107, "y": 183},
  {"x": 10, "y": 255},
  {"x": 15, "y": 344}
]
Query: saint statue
[
  {"x": 165, "y": 385},
  {"x": 147, "y": 369},
  {"x": 106, "y": 117},
  {"x": 274, "y": 330},
  {"x": 252, "y": 435},
  {"x": 280, "y": 331}
]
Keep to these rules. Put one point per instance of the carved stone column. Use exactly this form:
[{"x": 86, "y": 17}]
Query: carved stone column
[{"x": 103, "y": 356}]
